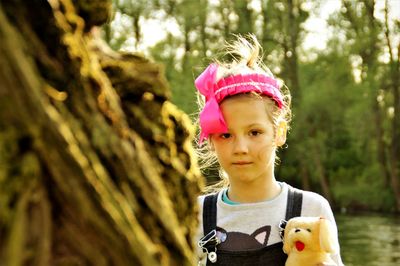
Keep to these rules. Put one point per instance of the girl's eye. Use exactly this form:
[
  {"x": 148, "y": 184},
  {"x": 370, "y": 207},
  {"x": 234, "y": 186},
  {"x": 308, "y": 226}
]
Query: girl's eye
[
  {"x": 225, "y": 136},
  {"x": 255, "y": 132},
  {"x": 309, "y": 230}
]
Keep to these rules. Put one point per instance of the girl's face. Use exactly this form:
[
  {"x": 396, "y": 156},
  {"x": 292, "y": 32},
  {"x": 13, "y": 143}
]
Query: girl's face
[{"x": 247, "y": 151}]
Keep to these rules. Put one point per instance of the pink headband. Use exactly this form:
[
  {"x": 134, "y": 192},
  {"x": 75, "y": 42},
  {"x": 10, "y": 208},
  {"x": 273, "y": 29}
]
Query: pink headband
[{"x": 211, "y": 118}]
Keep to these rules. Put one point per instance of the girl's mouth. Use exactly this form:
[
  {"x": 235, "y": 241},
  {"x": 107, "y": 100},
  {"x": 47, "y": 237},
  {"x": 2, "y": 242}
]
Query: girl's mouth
[{"x": 241, "y": 163}]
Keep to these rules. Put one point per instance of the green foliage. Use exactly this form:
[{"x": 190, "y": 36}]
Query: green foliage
[
  {"x": 362, "y": 189},
  {"x": 339, "y": 130}
]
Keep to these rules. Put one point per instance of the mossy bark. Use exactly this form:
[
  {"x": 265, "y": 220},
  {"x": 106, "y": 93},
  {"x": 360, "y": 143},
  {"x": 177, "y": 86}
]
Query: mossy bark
[{"x": 96, "y": 165}]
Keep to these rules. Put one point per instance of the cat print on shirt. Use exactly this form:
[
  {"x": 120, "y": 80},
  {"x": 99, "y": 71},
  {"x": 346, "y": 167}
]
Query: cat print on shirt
[{"x": 236, "y": 241}]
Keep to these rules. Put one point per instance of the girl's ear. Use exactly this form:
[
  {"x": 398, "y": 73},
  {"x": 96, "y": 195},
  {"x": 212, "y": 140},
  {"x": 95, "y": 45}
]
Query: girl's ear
[{"x": 281, "y": 131}]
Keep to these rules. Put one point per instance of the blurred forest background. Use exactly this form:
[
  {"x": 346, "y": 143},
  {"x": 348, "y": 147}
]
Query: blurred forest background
[{"x": 340, "y": 59}]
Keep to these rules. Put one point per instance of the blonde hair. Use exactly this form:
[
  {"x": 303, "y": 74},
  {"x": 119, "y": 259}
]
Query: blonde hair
[{"x": 246, "y": 57}]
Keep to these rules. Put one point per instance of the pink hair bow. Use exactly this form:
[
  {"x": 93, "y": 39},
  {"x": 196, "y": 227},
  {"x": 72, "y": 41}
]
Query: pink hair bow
[{"x": 211, "y": 118}]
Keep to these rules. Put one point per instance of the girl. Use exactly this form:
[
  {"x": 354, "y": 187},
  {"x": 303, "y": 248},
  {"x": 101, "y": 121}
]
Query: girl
[{"x": 244, "y": 120}]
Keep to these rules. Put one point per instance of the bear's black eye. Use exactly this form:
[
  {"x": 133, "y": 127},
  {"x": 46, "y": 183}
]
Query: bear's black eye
[{"x": 309, "y": 230}]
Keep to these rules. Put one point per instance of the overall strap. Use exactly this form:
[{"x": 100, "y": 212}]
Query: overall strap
[
  {"x": 294, "y": 203},
  {"x": 210, "y": 240},
  {"x": 210, "y": 213}
]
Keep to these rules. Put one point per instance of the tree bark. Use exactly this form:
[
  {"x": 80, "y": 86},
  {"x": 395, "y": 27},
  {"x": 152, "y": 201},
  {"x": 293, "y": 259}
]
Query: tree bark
[{"x": 96, "y": 165}]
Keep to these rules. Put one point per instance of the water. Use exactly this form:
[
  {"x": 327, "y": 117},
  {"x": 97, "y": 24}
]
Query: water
[{"x": 369, "y": 240}]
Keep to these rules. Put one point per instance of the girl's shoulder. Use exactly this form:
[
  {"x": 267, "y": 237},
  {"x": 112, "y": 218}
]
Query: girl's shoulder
[
  {"x": 308, "y": 196},
  {"x": 314, "y": 204},
  {"x": 201, "y": 198}
]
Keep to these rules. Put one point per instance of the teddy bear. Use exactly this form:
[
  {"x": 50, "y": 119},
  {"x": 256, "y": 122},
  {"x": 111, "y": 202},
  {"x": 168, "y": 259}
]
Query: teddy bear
[{"x": 309, "y": 241}]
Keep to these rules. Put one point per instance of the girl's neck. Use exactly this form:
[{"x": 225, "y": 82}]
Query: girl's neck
[{"x": 254, "y": 192}]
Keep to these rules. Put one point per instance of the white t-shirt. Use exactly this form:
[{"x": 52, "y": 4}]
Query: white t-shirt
[{"x": 255, "y": 225}]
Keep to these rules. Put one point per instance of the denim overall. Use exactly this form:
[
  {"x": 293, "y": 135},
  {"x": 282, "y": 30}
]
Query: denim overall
[{"x": 270, "y": 255}]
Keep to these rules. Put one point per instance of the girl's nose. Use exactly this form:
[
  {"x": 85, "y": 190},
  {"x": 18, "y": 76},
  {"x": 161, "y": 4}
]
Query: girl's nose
[{"x": 240, "y": 146}]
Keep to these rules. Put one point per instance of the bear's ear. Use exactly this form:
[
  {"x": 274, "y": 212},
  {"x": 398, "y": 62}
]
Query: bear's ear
[
  {"x": 328, "y": 236},
  {"x": 287, "y": 246}
]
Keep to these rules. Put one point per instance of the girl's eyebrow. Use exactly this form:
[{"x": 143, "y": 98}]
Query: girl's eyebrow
[{"x": 254, "y": 125}]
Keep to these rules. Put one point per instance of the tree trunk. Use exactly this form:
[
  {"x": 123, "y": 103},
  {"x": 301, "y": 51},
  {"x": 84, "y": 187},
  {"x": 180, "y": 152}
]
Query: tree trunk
[
  {"x": 203, "y": 25},
  {"x": 225, "y": 8},
  {"x": 245, "y": 20},
  {"x": 291, "y": 48},
  {"x": 323, "y": 179},
  {"x": 305, "y": 176},
  {"x": 321, "y": 174},
  {"x": 96, "y": 165}
]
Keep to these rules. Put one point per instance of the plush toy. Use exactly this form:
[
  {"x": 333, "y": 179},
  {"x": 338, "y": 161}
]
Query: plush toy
[{"x": 309, "y": 241}]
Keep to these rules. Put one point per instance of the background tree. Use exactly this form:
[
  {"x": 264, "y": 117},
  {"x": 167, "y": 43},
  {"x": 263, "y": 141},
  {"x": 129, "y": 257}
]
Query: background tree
[{"x": 370, "y": 38}]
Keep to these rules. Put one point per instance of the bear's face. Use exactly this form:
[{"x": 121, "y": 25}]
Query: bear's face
[
  {"x": 309, "y": 234},
  {"x": 303, "y": 235}
]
